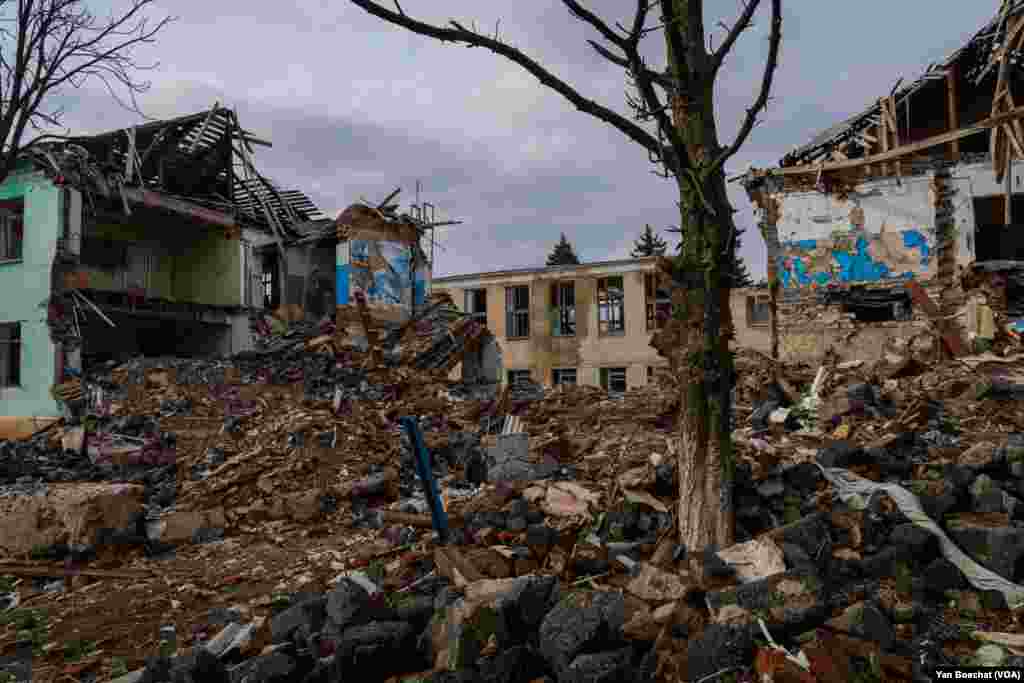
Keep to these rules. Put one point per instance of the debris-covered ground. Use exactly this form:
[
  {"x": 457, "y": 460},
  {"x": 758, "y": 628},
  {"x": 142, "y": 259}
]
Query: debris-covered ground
[{"x": 260, "y": 519}]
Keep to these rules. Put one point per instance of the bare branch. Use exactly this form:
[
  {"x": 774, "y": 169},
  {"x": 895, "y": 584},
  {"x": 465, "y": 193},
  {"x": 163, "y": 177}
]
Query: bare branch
[
  {"x": 739, "y": 27},
  {"x": 609, "y": 55},
  {"x": 644, "y": 81},
  {"x": 658, "y": 110},
  {"x": 658, "y": 78},
  {"x": 637, "y": 31},
  {"x": 774, "y": 39},
  {"x": 60, "y": 43},
  {"x": 583, "y": 14},
  {"x": 459, "y": 34}
]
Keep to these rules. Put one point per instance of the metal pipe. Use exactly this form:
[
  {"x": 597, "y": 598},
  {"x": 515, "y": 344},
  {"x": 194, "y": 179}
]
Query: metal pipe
[{"x": 422, "y": 457}]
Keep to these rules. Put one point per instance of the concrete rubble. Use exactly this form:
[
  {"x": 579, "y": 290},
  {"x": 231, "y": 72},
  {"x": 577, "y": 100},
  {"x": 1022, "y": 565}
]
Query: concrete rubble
[{"x": 259, "y": 519}]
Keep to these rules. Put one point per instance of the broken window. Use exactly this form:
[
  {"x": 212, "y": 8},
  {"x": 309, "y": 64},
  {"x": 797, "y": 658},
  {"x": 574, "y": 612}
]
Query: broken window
[
  {"x": 517, "y": 377},
  {"x": 563, "y": 304},
  {"x": 10, "y": 354},
  {"x": 269, "y": 281},
  {"x": 12, "y": 214},
  {"x": 759, "y": 311},
  {"x": 879, "y": 312},
  {"x": 613, "y": 380},
  {"x": 657, "y": 302},
  {"x": 611, "y": 316},
  {"x": 517, "y": 312},
  {"x": 565, "y": 376},
  {"x": 993, "y": 240},
  {"x": 476, "y": 305},
  {"x": 872, "y": 305}
]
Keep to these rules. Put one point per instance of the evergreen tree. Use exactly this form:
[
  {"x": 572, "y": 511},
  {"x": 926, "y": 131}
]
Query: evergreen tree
[
  {"x": 563, "y": 254},
  {"x": 649, "y": 244},
  {"x": 740, "y": 274}
]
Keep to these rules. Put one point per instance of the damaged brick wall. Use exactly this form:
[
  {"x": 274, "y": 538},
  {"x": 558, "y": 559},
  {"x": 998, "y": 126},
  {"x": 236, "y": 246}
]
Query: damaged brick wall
[
  {"x": 885, "y": 231},
  {"x": 872, "y": 237}
]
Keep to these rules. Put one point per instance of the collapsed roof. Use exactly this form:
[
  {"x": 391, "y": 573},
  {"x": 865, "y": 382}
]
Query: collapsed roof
[
  {"x": 204, "y": 158},
  {"x": 976, "y": 62}
]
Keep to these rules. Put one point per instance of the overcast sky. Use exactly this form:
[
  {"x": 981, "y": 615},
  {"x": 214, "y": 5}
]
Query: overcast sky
[{"x": 356, "y": 107}]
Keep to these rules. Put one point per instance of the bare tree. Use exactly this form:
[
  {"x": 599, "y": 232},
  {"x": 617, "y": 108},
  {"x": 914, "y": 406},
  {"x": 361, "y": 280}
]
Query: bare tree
[
  {"x": 677, "y": 103},
  {"x": 47, "y": 46}
]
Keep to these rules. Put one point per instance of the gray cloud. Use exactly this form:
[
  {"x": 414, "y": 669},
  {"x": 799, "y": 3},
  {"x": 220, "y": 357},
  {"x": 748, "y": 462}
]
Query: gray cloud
[{"x": 356, "y": 107}]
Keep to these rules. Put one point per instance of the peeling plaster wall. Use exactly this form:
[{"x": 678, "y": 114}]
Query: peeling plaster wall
[
  {"x": 878, "y": 231},
  {"x": 889, "y": 217},
  {"x": 885, "y": 231},
  {"x": 24, "y": 285}
]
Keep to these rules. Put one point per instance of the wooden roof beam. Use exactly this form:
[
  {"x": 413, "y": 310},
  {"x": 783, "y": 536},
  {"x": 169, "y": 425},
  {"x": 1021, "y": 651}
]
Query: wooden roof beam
[{"x": 908, "y": 149}]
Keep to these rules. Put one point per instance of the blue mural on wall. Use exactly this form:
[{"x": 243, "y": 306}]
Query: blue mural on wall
[
  {"x": 853, "y": 256},
  {"x": 859, "y": 266},
  {"x": 912, "y": 239},
  {"x": 381, "y": 270}
]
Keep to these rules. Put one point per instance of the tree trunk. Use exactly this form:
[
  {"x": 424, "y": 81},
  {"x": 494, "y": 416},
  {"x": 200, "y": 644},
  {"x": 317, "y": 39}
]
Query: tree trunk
[
  {"x": 705, "y": 514},
  {"x": 705, "y": 464}
]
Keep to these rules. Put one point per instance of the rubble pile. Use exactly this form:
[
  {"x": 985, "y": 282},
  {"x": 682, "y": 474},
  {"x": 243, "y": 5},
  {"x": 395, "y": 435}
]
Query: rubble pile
[{"x": 267, "y": 523}]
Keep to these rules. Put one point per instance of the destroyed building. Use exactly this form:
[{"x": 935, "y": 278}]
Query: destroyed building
[
  {"x": 901, "y": 220},
  {"x": 161, "y": 239},
  {"x": 381, "y": 258}
]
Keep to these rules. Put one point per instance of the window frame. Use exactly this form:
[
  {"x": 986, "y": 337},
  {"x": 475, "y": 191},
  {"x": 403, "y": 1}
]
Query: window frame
[
  {"x": 516, "y": 312},
  {"x": 755, "y": 301},
  {"x": 656, "y": 299},
  {"x": 606, "y": 377},
  {"x": 558, "y": 380},
  {"x": 12, "y": 218},
  {"x": 564, "y": 321},
  {"x": 606, "y": 306},
  {"x": 10, "y": 361},
  {"x": 468, "y": 298},
  {"x": 511, "y": 374}
]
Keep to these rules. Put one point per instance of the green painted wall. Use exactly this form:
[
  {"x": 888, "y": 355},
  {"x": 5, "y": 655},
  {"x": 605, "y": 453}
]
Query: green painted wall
[
  {"x": 190, "y": 264},
  {"x": 209, "y": 270},
  {"x": 23, "y": 287}
]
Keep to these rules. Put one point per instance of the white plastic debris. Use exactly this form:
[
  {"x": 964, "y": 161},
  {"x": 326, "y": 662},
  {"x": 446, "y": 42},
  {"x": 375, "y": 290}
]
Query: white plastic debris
[
  {"x": 853, "y": 488},
  {"x": 989, "y": 656},
  {"x": 800, "y": 659}
]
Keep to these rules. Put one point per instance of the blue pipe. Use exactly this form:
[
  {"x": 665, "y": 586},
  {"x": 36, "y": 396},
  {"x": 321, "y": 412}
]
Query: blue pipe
[{"x": 422, "y": 457}]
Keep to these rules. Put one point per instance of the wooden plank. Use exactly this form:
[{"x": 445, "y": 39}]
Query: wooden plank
[
  {"x": 24, "y": 569},
  {"x": 953, "y": 108},
  {"x": 905, "y": 150},
  {"x": 949, "y": 329},
  {"x": 1008, "y": 192},
  {"x": 1015, "y": 142},
  {"x": 895, "y": 130},
  {"x": 874, "y": 147},
  {"x": 883, "y": 133}
]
